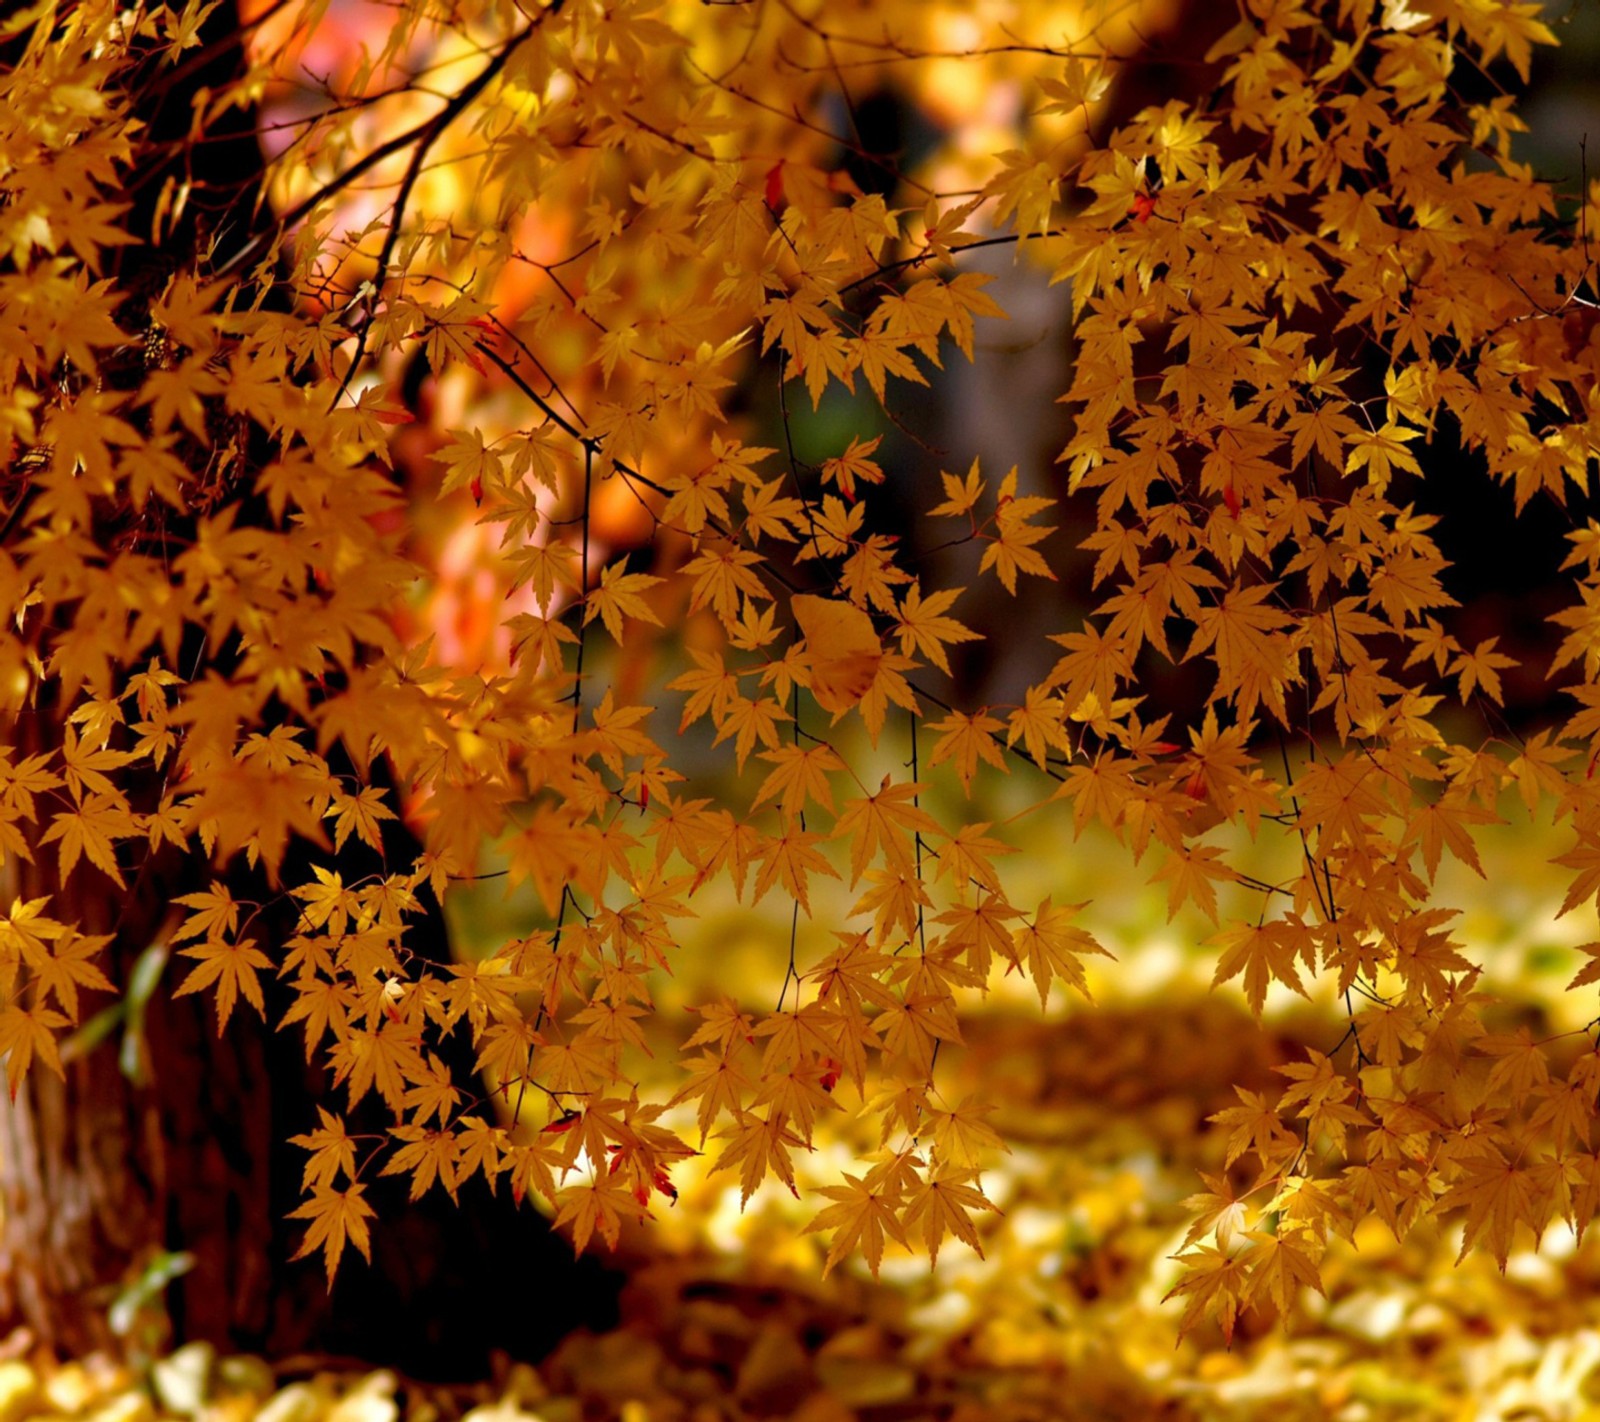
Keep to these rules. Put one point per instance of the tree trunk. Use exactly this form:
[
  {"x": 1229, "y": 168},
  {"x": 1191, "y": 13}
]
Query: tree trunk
[
  {"x": 98, "y": 1174},
  {"x": 76, "y": 1210}
]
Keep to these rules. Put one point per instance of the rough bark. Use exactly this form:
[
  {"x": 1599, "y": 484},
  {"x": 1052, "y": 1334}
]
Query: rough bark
[
  {"x": 76, "y": 1210},
  {"x": 97, "y": 1173}
]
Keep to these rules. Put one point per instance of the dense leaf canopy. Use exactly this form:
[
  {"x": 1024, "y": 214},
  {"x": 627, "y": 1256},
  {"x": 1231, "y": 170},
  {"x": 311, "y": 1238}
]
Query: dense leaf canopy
[{"x": 584, "y": 257}]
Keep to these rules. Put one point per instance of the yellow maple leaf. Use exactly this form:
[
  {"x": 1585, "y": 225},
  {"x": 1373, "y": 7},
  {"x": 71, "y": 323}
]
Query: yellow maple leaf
[
  {"x": 863, "y": 1217},
  {"x": 27, "y": 1033},
  {"x": 620, "y": 595},
  {"x": 337, "y": 1217},
  {"x": 232, "y": 968}
]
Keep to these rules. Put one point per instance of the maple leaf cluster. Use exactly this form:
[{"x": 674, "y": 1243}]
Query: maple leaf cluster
[{"x": 1277, "y": 295}]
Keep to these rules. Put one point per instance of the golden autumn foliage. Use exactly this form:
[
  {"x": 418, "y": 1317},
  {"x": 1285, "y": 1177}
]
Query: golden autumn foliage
[{"x": 602, "y": 224}]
